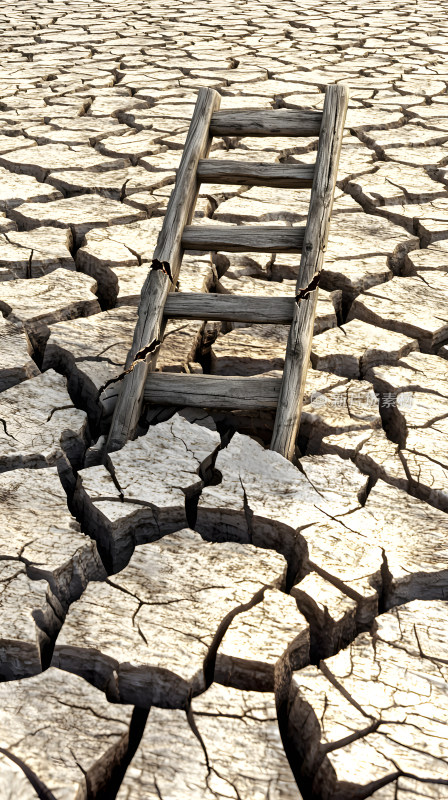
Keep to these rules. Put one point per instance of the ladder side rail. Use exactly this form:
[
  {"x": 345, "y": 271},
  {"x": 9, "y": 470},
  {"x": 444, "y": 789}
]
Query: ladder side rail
[
  {"x": 163, "y": 274},
  {"x": 298, "y": 348}
]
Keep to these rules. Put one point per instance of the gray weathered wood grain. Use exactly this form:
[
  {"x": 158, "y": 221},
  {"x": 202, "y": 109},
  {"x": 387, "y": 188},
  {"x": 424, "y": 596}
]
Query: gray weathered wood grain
[
  {"x": 212, "y": 391},
  {"x": 227, "y": 307},
  {"x": 163, "y": 274},
  {"x": 278, "y": 122},
  {"x": 243, "y": 238},
  {"x": 279, "y": 176},
  {"x": 316, "y": 235}
]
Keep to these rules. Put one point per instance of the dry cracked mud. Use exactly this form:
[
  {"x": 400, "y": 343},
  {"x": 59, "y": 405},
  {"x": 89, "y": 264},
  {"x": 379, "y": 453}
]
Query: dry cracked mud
[{"x": 193, "y": 616}]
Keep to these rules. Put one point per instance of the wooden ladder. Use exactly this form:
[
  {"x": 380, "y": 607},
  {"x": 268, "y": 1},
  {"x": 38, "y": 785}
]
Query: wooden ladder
[{"x": 159, "y": 301}]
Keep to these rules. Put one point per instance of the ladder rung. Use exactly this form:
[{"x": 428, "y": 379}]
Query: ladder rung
[
  {"x": 273, "y": 310},
  {"x": 253, "y": 122},
  {"x": 212, "y": 391},
  {"x": 279, "y": 176},
  {"x": 244, "y": 238}
]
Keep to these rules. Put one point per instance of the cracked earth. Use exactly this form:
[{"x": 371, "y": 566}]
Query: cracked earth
[{"x": 195, "y": 616}]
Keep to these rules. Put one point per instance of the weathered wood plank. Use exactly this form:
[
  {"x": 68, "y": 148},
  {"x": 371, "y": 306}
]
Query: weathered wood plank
[
  {"x": 316, "y": 235},
  {"x": 212, "y": 391},
  {"x": 253, "y": 122},
  {"x": 243, "y": 238},
  {"x": 276, "y": 311},
  {"x": 163, "y": 274},
  {"x": 279, "y": 176}
]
